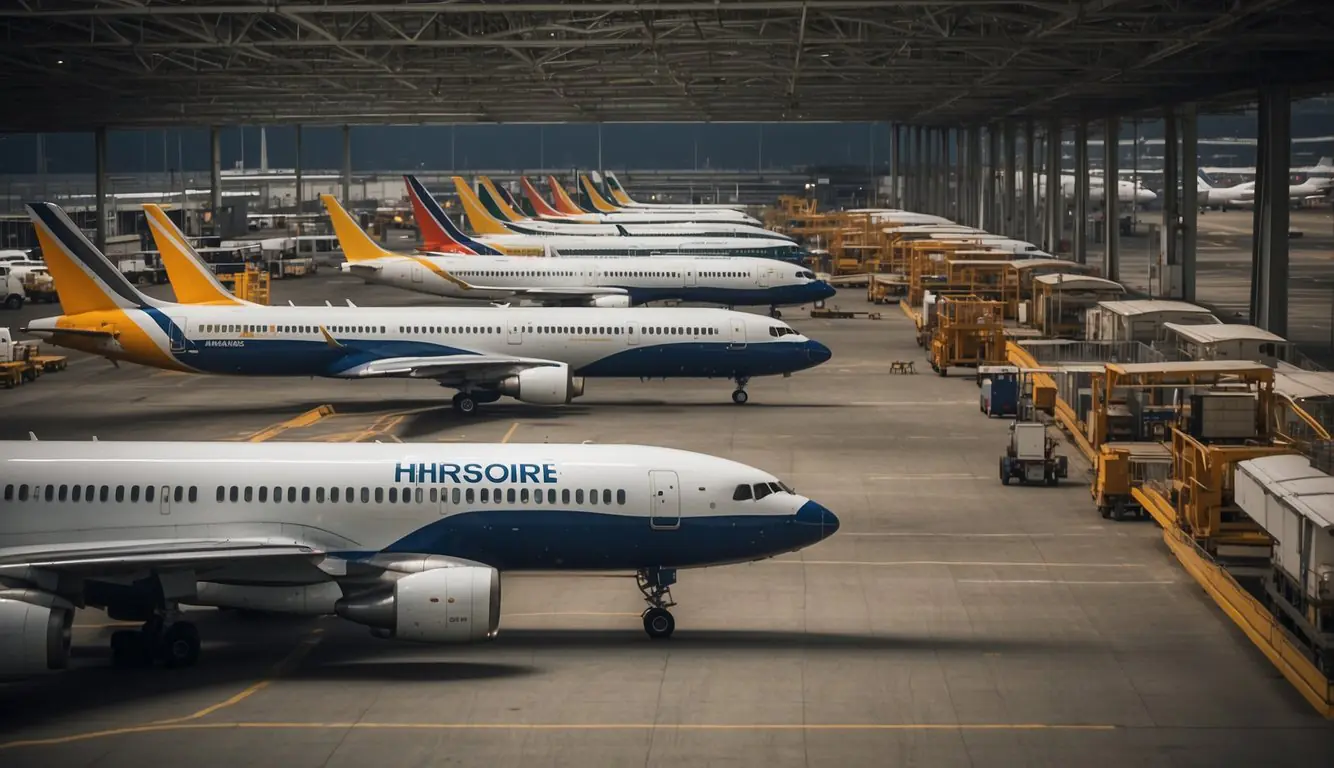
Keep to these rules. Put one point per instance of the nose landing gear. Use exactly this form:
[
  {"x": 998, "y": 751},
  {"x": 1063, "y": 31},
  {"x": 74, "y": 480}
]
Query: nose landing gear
[
  {"x": 775, "y": 314},
  {"x": 739, "y": 396},
  {"x": 656, "y": 586}
]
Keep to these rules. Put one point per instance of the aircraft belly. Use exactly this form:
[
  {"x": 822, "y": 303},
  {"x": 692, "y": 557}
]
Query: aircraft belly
[{"x": 554, "y": 539}]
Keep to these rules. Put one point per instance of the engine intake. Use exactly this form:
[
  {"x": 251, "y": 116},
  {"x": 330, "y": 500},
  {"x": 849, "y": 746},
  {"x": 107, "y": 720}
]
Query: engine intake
[
  {"x": 548, "y": 385},
  {"x": 458, "y": 604},
  {"x": 612, "y": 300},
  {"x": 34, "y": 639}
]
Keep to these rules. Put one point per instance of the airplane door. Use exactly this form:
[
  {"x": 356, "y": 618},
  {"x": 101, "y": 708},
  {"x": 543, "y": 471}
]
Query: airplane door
[
  {"x": 764, "y": 277},
  {"x": 692, "y": 274},
  {"x": 416, "y": 273},
  {"x": 631, "y": 337},
  {"x": 515, "y": 332},
  {"x": 177, "y": 334},
  {"x": 664, "y": 500},
  {"x": 164, "y": 500},
  {"x": 738, "y": 334}
]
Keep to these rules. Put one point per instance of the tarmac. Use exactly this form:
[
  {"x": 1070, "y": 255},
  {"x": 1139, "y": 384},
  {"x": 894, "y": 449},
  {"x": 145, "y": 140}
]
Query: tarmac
[{"x": 950, "y": 622}]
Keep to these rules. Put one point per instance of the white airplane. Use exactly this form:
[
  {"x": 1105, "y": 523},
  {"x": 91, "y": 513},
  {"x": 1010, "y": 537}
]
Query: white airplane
[
  {"x": 495, "y": 239},
  {"x": 409, "y": 540},
  {"x": 1244, "y": 193},
  {"x": 534, "y": 354},
  {"x": 574, "y": 281},
  {"x": 623, "y": 199},
  {"x": 501, "y": 207},
  {"x": 610, "y": 214},
  {"x": 1126, "y": 191}
]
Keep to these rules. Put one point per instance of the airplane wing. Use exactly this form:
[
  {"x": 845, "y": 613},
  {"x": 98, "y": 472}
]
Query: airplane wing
[
  {"x": 111, "y": 558},
  {"x": 456, "y": 369},
  {"x": 72, "y": 332}
]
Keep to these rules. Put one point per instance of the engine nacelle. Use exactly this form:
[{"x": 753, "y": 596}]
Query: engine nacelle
[
  {"x": 548, "y": 385},
  {"x": 459, "y": 604},
  {"x": 613, "y": 300},
  {"x": 34, "y": 639},
  {"x": 305, "y": 600}
]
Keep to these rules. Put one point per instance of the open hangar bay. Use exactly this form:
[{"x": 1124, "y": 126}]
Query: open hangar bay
[{"x": 945, "y": 625}]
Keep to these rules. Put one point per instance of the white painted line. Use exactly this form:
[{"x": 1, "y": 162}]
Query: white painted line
[
  {"x": 1060, "y": 581},
  {"x": 915, "y": 534},
  {"x": 977, "y": 563}
]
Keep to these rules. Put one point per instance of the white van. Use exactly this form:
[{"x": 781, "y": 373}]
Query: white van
[{"x": 12, "y": 295}]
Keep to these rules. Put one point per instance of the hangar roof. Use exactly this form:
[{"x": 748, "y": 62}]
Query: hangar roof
[{"x": 74, "y": 64}]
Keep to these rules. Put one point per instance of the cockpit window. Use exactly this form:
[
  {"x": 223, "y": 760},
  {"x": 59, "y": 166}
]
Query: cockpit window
[
  {"x": 776, "y": 487},
  {"x": 742, "y": 493},
  {"x": 781, "y": 330},
  {"x": 761, "y": 490},
  {"x": 806, "y": 275}
]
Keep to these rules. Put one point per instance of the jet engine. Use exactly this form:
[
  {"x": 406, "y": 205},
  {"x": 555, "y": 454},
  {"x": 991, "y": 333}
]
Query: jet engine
[
  {"x": 444, "y": 605},
  {"x": 548, "y": 385},
  {"x": 33, "y": 638},
  {"x": 613, "y": 300}
]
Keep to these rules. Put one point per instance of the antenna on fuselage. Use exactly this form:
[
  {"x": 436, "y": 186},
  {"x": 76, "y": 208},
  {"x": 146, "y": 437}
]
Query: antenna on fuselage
[{"x": 350, "y": 304}]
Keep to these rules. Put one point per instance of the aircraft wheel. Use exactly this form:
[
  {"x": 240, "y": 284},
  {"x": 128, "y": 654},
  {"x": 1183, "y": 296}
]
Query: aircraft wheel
[
  {"x": 180, "y": 645},
  {"x": 465, "y": 404},
  {"x": 658, "y": 623},
  {"x": 740, "y": 397}
]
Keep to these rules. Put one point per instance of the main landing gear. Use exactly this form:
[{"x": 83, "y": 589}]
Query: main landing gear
[
  {"x": 775, "y": 314},
  {"x": 656, "y": 586},
  {"x": 162, "y": 638},
  {"x": 465, "y": 404},
  {"x": 739, "y": 396}
]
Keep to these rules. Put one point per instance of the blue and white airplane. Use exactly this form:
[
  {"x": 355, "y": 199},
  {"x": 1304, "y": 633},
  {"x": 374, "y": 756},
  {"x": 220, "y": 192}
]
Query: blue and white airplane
[
  {"x": 534, "y": 354},
  {"x": 575, "y": 281},
  {"x": 407, "y": 539}
]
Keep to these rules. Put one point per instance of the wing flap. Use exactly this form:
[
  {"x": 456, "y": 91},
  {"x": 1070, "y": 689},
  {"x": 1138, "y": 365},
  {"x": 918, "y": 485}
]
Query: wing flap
[
  {"x": 473, "y": 368},
  {"x": 109, "y": 556}
]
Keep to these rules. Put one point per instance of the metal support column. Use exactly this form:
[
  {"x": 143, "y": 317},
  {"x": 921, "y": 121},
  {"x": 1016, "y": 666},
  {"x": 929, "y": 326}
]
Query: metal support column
[
  {"x": 919, "y": 164},
  {"x": 990, "y": 171},
  {"x": 1168, "y": 275},
  {"x": 1269, "y": 264},
  {"x": 928, "y": 168},
  {"x": 960, "y": 175},
  {"x": 895, "y": 166},
  {"x": 1079, "y": 235},
  {"x": 975, "y": 203},
  {"x": 1190, "y": 198},
  {"x": 1111, "y": 220},
  {"x": 347, "y": 164},
  {"x": 1053, "y": 194},
  {"x": 943, "y": 167},
  {"x": 214, "y": 176},
  {"x": 298, "y": 175},
  {"x": 1030, "y": 184},
  {"x": 100, "y": 185},
  {"x": 1009, "y": 203}
]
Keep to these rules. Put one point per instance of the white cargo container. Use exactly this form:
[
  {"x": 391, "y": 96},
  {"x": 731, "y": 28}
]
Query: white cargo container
[
  {"x": 1229, "y": 342},
  {"x": 1141, "y": 320},
  {"x": 1294, "y": 503}
]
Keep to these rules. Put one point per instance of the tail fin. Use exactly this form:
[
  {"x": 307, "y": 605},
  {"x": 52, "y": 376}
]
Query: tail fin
[
  {"x": 495, "y": 202},
  {"x": 191, "y": 279},
  {"x": 85, "y": 280},
  {"x": 438, "y": 230},
  {"x": 482, "y": 221},
  {"x": 1204, "y": 182},
  {"x": 1325, "y": 162},
  {"x": 563, "y": 202},
  {"x": 618, "y": 192},
  {"x": 356, "y": 244},
  {"x": 596, "y": 200},
  {"x": 508, "y": 198},
  {"x": 539, "y": 205}
]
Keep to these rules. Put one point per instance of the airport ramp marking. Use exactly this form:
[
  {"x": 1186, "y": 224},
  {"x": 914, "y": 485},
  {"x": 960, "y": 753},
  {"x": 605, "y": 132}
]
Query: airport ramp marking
[{"x": 303, "y": 420}]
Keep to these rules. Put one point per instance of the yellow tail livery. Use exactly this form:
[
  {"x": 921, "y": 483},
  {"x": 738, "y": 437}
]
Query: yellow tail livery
[{"x": 191, "y": 279}]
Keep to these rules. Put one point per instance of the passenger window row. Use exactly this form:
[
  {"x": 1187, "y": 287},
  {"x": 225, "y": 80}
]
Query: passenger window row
[
  {"x": 671, "y": 331},
  {"x": 724, "y": 274},
  {"x": 758, "y": 491},
  {"x": 452, "y": 329},
  {"x": 415, "y": 495},
  {"x": 101, "y": 493}
]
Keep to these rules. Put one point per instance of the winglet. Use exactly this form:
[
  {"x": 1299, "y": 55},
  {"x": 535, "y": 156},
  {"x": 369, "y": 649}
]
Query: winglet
[
  {"x": 356, "y": 244},
  {"x": 534, "y": 197},
  {"x": 191, "y": 279},
  {"x": 85, "y": 280},
  {"x": 562, "y": 198},
  {"x": 438, "y": 230},
  {"x": 618, "y": 192},
  {"x": 32, "y": 436},
  {"x": 498, "y": 207},
  {"x": 328, "y": 337},
  {"x": 482, "y": 221},
  {"x": 598, "y": 202}
]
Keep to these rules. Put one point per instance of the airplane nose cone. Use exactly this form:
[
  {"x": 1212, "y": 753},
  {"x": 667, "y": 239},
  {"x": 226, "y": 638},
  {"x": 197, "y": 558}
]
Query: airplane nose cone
[
  {"x": 1147, "y": 196},
  {"x": 817, "y": 352},
  {"x": 824, "y": 290},
  {"x": 815, "y": 514}
]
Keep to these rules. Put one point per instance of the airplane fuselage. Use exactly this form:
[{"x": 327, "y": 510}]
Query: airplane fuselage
[{"x": 341, "y": 341}]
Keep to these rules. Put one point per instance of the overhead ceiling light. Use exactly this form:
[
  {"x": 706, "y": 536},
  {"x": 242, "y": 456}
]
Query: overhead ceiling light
[{"x": 60, "y": 61}]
